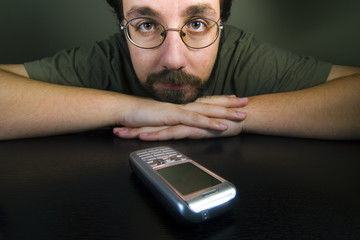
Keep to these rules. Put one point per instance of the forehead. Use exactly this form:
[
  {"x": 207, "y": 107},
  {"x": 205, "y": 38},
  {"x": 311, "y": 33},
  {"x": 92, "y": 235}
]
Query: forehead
[{"x": 171, "y": 8}]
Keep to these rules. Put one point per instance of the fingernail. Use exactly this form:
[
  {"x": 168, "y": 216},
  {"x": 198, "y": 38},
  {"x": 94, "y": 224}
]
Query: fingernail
[
  {"x": 223, "y": 126},
  {"x": 123, "y": 130},
  {"x": 241, "y": 114}
]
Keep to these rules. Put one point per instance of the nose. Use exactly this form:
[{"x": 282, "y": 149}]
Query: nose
[{"x": 173, "y": 52}]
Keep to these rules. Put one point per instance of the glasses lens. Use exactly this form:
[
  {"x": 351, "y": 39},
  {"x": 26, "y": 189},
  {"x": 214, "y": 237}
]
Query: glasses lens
[
  {"x": 145, "y": 32},
  {"x": 200, "y": 33}
]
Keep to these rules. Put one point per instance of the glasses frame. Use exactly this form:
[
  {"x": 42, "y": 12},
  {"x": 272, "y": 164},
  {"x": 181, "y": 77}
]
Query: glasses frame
[{"x": 125, "y": 28}]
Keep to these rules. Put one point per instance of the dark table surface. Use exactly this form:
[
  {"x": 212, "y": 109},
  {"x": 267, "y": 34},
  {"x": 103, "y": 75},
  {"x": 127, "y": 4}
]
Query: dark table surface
[{"x": 80, "y": 186}]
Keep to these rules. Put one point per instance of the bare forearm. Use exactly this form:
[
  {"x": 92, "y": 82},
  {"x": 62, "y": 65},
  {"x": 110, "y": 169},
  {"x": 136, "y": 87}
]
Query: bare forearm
[
  {"x": 32, "y": 108},
  {"x": 330, "y": 111}
]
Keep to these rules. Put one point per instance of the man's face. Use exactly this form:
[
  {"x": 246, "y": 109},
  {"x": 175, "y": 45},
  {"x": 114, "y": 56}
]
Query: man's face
[{"x": 173, "y": 72}]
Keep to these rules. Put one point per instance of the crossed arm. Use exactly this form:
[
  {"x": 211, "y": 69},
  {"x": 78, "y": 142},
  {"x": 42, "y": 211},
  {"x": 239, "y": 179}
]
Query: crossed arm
[{"x": 31, "y": 108}]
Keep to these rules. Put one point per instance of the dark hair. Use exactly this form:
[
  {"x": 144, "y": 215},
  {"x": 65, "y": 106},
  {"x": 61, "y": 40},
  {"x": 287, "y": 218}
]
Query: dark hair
[{"x": 225, "y": 6}]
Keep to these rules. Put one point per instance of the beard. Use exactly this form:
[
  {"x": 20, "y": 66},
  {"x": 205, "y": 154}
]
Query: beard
[{"x": 194, "y": 86}]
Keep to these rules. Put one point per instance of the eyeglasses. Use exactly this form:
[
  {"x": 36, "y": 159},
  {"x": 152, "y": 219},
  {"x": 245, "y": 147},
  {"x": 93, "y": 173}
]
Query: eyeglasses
[{"x": 148, "y": 33}]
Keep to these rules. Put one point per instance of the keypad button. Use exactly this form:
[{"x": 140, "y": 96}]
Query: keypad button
[
  {"x": 156, "y": 157},
  {"x": 153, "y": 165}
]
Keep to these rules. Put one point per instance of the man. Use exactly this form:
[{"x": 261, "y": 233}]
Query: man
[{"x": 179, "y": 53}]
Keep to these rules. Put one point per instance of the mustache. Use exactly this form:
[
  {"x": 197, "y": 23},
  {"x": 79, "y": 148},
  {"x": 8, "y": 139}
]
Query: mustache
[{"x": 176, "y": 77}]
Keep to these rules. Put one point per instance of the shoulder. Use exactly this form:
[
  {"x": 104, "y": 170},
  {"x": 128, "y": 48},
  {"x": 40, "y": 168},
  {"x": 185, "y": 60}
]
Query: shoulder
[
  {"x": 233, "y": 36},
  {"x": 116, "y": 43}
]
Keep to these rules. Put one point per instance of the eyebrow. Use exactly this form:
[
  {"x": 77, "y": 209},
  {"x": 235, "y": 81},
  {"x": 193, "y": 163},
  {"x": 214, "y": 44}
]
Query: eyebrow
[
  {"x": 194, "y": 10},
  {"x": 202, "y": 9},
  {"x": 142, "y": 11}
]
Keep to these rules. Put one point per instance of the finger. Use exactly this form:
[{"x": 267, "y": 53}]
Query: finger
[
  {"x": 181, "y": 132},
  {"x": 123, "y": 133},
  {"x": 130, "y": 133},
  {"x": 165, "y": 133},
  {"x": 216, "y": 111},
  {"x": 178, "y": 132},
  {"x": 194, "y": 119}
]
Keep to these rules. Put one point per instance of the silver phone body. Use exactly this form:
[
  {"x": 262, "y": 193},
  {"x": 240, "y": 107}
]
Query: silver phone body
[{"x": 188, "y": 190}]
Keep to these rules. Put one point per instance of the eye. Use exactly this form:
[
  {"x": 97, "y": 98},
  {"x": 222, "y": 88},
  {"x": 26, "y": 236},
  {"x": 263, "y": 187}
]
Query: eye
[
  {"x": 197, "y": 25},
  {"x": 146, "y": 26}
]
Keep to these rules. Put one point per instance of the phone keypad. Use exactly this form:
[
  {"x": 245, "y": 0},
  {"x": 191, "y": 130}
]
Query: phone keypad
[{"x": 158, "y": 156}]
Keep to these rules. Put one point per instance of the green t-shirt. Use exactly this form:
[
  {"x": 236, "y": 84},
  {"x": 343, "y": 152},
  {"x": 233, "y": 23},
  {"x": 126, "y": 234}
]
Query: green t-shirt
[{"x": 244, "y": 67}]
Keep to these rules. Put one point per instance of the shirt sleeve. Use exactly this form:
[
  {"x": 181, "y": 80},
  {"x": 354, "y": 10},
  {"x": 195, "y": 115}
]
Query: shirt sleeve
[{"x": 105, "y": 65}]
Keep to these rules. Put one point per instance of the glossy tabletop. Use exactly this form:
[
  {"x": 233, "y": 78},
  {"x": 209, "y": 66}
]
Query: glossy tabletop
[{"x": 80, "y": 186}]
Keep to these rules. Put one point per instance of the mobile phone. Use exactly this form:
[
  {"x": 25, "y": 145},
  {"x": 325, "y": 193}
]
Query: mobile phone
[{"x": 189, "y": 191}]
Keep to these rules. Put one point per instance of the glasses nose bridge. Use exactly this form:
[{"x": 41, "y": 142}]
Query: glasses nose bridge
[
  {"x": 179, "y": 30},
  {"x": 173, "y": 29}
]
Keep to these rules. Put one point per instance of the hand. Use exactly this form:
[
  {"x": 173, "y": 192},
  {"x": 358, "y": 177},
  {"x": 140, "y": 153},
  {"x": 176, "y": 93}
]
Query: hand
[
  {"x": 177, "y": 132},
  {"x": 225, "y": 109}
]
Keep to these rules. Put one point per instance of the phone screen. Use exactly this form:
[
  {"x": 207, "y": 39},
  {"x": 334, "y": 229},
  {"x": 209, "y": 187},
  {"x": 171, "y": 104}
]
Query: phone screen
[{"x": 187, "y": 178}]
